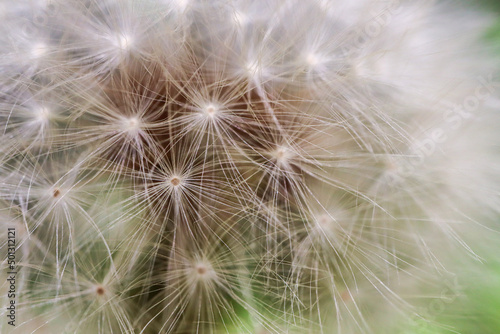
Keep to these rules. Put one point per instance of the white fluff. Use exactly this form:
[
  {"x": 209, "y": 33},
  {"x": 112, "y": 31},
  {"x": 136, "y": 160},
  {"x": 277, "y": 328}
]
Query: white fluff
[{"x": 191, "y": 166}]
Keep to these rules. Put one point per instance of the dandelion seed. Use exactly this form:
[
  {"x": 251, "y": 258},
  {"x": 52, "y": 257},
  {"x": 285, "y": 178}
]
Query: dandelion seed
[
  {"x": 131, "y": 125},
  {"x": 182, "y": 4},
  {"x": 56, "y": 192},
  {"x": 324, "y": 220},
  {"x": 43, "y": 114},
  {"x": 282, "y": 155},
  {"x": 239, "y": 18},
  {"x": 39, "y": 50},
  {"x": 253, "y": 68},
  {"x": 211, "y": 111},
  {"x": 175, "y": 181},
  {"x": 204, "y": 271},
  {"x": 100, "y": 290},
  {"x": 313, "y": 60},
  {"x": 123, "y": 41}
]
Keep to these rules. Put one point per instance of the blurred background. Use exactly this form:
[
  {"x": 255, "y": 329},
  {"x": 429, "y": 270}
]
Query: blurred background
[{"x": 476, "y": 308}]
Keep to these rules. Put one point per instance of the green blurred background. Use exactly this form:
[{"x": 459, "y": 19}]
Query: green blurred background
[{"x": 476, "y": 310}]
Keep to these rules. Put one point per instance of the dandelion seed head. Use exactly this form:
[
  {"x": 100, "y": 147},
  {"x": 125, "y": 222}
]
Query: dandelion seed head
[{"x": 231, "y": 173}]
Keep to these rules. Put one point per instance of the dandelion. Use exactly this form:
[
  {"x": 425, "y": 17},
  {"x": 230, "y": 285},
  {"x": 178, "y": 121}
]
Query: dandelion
[{"x": 188, "y": 166}]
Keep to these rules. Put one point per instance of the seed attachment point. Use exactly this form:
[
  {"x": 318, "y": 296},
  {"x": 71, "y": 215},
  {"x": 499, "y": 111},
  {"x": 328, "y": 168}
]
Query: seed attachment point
[
  {"x": 175, "y": 181},
  {"x": 100, "y": 291}
]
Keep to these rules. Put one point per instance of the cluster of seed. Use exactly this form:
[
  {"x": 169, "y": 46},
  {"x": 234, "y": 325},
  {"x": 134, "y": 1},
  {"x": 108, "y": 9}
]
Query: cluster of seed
[{"x": 191, "y": 166}]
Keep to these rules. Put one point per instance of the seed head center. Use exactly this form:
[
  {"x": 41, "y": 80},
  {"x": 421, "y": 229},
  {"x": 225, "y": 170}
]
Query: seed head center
[
  {"x": 211, "y": 110},
  {"x": 39, "y": 50},
  {"x": 201, "y": 269},
  {"x": 100, "y": 290},
  {"x": 175, "y": 181},
  {"x": 282, "y": 155},
  {"x": 131, "y": 125},
  {"x": 239, "y": 18},
  {"x": 124, "y": 42},
  {"x": 312, "y": 59},
  {"x": 43, "y": 114},
  {"x": 324, "y": 220}
]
